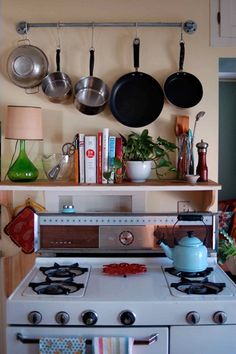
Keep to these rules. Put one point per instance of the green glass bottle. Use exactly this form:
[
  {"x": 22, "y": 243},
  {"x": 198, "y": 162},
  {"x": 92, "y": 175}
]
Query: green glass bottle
[{"x": 22, "y": 170}]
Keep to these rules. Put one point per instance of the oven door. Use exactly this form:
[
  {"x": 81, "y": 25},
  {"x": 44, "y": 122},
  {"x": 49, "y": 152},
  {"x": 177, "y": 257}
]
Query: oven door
[
  {"x": 147, "y": 340},
  {"x": 203, "y": 339}
]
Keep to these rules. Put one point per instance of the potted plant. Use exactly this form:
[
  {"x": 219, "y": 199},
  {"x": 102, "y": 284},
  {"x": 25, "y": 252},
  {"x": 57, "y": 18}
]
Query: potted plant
[
  {"x": 227, "y": 251},
  {"x": 141, "y": 153}
]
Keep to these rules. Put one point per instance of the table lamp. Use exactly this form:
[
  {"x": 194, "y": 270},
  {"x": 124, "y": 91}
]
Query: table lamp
[{"x": 23, "y": 123}]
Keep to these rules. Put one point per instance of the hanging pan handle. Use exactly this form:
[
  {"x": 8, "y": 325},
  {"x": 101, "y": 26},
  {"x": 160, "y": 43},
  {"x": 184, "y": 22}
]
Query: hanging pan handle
[
  {"x": 91, "y": 61},
  {"x": 181, "y": 55},
  {"x": 136, "y": 47},
  {"x": 58, "y": 59}
]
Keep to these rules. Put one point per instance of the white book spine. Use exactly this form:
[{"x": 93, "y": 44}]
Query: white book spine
[
  {"x": 81, "y": 158},
  {"x": 105, "y": 149},
  {"x": 111, "y": 157},
  {"x": 90, "y": 159}
]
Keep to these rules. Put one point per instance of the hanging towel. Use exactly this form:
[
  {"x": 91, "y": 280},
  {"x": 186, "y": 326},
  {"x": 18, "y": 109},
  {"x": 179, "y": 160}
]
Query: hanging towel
[
  {"x": 62, "y": 345},
  {"x": 112, "y": 345}
]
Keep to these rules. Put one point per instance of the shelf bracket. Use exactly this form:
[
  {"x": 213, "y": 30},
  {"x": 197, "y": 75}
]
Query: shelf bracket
[{"x": 188, "y": 26}]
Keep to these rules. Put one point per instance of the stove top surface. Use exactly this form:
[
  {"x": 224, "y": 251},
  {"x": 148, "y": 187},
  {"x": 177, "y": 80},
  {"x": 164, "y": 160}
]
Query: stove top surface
[{"x": 154, "y": 282}]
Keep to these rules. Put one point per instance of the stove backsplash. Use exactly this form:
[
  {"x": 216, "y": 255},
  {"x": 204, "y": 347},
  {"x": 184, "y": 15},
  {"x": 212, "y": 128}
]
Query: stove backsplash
[{"x": 126, "y": 233}]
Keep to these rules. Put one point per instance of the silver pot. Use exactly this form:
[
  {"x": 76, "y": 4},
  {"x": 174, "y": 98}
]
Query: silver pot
[
  {"x": 57, "y": 86},
  {"x": 91, "y": 93},
  {"x": 27, "y": 65}
]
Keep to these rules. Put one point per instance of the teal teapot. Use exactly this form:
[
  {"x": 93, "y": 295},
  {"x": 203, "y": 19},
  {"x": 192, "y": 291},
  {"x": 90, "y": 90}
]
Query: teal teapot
[{"x": 189, "y": 255}]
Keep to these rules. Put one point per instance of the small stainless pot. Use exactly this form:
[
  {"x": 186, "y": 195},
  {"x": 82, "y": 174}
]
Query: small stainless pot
[
  {"x": 91, "y": 93},
  {"x": 57, "y": 86}
]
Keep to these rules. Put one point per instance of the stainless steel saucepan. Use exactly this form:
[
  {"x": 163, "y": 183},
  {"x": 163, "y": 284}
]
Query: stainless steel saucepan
[
  {"x": 57, "y": 86},
  {"x": 91, "y": 93}
]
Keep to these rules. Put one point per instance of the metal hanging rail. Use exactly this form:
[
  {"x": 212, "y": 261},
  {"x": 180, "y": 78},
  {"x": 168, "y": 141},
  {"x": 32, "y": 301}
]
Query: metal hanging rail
[{"x": 188, "y": 26}]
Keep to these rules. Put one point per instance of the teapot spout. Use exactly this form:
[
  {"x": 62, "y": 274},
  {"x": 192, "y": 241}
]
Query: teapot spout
[{"x": 168, "y": 251}]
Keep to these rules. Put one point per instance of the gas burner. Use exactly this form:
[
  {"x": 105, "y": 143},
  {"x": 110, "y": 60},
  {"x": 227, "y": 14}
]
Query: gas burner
[
  {"x": 53, "y": 287},
  {"x": 198, "y": 287},
  {"x": 178, "y": 273},
  {"x": 63, "y": 271},
  {"x": 124, "y": 269}
]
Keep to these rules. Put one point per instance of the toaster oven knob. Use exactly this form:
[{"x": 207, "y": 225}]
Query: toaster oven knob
[
  {"x": 220, "y": 317},
  {"x": 62, "y": 317},
  {"x": 193, "y": 317},
  {"x": 127, "y": 318},
  {"x": 35, "y": 317},
  {"x": 89, "y": 318}
]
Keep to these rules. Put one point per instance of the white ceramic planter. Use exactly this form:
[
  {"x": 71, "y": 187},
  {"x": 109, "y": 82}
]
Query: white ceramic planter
[{"x": 138, "y": 171}]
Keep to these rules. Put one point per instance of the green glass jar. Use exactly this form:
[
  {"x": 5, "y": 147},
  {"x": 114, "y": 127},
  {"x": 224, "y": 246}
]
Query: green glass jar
[{"x": 22, "y": 170}]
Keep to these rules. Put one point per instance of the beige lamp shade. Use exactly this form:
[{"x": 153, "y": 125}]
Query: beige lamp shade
[{"x": 24, "y": 123}]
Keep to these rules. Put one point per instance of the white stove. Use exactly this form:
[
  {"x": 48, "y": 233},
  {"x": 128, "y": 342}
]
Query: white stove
[{"x": 145, "y": 305}]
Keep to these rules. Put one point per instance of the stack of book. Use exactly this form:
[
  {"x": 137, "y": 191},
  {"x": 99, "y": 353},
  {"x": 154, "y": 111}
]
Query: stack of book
[{"x": 94, "y": 155}]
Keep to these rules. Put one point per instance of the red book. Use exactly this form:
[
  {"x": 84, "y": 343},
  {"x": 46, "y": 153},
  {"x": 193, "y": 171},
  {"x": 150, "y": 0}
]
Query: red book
[
  {"x": 119, "y": 155},
  {"x": 99, "y": 158}
]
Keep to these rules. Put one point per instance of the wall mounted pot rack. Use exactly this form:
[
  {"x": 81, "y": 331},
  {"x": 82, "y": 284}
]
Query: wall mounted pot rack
[{"x": 188, "y": 26}]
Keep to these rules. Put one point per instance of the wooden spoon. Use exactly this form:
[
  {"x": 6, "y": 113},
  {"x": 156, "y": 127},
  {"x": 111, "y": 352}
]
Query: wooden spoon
[
  {"x": 181, "y": 130},
  {"x": 181, "y": 125}
]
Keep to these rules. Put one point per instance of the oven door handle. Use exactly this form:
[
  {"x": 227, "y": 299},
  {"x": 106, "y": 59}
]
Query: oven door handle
[{"x": 150, "y": 340}]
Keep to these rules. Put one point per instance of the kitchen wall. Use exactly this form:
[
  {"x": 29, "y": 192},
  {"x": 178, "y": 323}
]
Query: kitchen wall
[
  {"x": 113, "y": 58},
  {"x": 227, "y": 127}
]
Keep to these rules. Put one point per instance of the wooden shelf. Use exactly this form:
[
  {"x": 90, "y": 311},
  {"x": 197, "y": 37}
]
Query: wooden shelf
[{"x": 148, "y": 186}]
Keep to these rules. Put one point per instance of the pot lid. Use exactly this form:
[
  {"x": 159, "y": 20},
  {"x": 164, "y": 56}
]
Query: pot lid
[{"x": 190, "y": 240}]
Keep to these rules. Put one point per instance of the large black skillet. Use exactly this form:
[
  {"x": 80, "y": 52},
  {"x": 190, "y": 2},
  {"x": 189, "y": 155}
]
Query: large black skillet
[
  {"x": 183, "y": 89},
  {"x": 136, "y": 98}
]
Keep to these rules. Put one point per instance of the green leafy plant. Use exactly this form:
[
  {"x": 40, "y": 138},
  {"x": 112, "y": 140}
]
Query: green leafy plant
[
  {"x": 142, "y": 147},
  {"x": 227, "y": 247}
]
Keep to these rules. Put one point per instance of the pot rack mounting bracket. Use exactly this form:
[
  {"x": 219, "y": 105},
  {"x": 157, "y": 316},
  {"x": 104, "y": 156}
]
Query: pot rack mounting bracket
[{"x": 188, "y": 26}]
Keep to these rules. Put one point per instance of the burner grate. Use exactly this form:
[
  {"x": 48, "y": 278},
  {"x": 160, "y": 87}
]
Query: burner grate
[
  {"x": 56, "y": 287},
  {"x": 198, "y": 287},
  {"x": 63, "y": 271},
  {"x": 204, "y": 273}
]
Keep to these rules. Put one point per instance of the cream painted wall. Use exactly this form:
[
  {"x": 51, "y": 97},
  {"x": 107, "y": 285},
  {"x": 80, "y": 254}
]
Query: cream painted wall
[{"x": 159, "y": 58}]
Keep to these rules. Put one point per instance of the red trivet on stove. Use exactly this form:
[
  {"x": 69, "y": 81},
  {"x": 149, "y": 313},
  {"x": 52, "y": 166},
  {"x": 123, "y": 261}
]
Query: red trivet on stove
[{"x": 124, "y": 268}]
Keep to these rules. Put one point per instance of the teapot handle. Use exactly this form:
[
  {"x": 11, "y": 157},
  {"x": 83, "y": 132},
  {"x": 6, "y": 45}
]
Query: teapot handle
[{"x": 191, "y": 217}]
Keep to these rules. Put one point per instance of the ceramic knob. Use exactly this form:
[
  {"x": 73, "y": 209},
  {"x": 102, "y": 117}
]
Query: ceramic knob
[
  {"x": 127, "y": 318},
  {"x": 35, "y": 317},
  {"x": 62, "y": 317},
  {"x": 89, "y": 318},
  {"x": 193, "y": 317},
  {"x": 220, "y": 317}
]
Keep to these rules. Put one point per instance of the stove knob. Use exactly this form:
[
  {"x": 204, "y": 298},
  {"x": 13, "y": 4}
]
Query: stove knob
[
  {"x": 193, "y": 317},
  {"x": 89, "y": 318},
  {"x": 35, "y": 317},
  {"x": 127, "y": 318},
  {"x": 62, "y": 318},
  {"x": 220, "y": 317}
]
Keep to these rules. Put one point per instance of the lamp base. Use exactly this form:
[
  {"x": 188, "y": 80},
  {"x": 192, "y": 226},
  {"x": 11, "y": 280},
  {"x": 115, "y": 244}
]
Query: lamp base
[{"x": 22, "y": 170}]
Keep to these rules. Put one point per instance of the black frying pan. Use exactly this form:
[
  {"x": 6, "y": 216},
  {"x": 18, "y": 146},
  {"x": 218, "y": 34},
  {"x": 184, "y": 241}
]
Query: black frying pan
[
  {"x": 183, "y": 89},
  {"x": 136, "y": 98}
]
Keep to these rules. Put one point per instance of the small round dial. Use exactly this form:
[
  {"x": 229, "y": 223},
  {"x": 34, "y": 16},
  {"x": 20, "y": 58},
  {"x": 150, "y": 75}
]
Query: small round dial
[
  {"x": 193, "y": 317},
  {"x": 127, "y": 318},
  {"x": 126, "y": 238},
  {"x": 89, "y": 318},
  {"x": 220, "y": 317},
  {"x": 62, "y": 317},
  {"x": 35, "y": 317}
]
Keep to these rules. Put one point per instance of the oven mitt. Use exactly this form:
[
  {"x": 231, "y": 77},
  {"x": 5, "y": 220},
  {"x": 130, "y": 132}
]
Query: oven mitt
[{"x": 21, "y": 229}]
